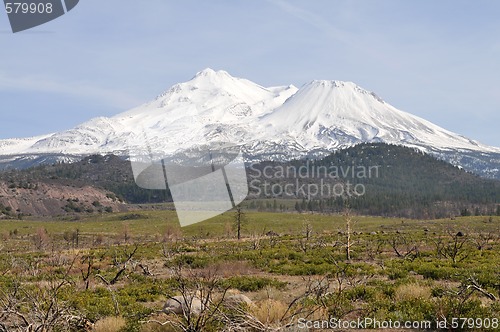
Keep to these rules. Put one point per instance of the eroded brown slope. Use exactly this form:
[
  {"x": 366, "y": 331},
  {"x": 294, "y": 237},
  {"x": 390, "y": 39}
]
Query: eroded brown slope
[{"x": 44, "y": 199}]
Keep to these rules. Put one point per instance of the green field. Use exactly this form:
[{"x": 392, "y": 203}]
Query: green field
[
  {"x": 114, "y": 272},
  {"x": 153, "y": 223}
]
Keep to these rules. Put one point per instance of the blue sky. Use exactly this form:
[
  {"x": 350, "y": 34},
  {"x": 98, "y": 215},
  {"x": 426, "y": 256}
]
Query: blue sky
[{"x": 436, "y": 59}]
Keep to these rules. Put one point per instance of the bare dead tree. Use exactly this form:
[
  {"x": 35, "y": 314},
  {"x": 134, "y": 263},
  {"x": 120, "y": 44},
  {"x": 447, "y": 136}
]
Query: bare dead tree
[
  {"x": 349, "y": 223},
  {"x": 304, "y": 240},
  {"x": 404, "y": 246},
  {"x": 203, "y": 302},
  {"x": 87, "y": 272},
  {"x": 145, "y": 269},
  {"x": 307, "y": 229},
  {"x": 374, "y": 248},
  {"x": 122, "y": 265},
  {"x": 439, "y": 244},
  {"x": 239, "y": 220},
  {"x": 316, "y": 289},
  {"x": 39, "y": 309},
  {"x": 255, "y": 241},
  {"x": 201, "y": 295},
  {"x": 468, "y": 287},
  {"x": 482, "y": 239},
  {"x": 455, "y": 248}
]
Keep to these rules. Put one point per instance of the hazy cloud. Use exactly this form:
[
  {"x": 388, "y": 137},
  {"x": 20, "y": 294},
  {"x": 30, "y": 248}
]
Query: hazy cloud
[{"x": 83, "y": 90}]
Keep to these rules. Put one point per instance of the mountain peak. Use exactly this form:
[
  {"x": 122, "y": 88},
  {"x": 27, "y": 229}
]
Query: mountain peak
[
  {"x": 210, "y": 79},
  {"x": 205, "y": 79},
  {"x": 330, "y": 83},
  {"x": 321, "y": 116},
  {"x": 210, "y": 73}
]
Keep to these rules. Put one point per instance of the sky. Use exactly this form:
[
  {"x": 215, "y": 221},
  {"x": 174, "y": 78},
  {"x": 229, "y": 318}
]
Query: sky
[{"x": 436, "y": 59}]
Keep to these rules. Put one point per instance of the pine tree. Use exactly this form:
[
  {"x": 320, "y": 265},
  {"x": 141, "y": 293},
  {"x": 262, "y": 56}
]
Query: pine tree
[{"x": 299, "y": 210}]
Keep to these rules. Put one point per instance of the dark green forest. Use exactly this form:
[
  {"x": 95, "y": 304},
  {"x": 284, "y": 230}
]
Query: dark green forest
[{"x": 405, "y": 183}]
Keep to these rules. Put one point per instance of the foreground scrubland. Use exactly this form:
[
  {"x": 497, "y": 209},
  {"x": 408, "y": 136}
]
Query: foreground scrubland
[{"x": 115, "y": 272}]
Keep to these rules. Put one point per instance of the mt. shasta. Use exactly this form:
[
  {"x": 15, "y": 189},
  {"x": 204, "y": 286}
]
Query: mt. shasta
[{"x": 277, "y": 123}]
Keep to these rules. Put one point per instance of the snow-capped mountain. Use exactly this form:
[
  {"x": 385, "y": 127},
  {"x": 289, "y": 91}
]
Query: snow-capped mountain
[
  {"x": 269, "y": 123},
  {"x": 334, "y": 114}
]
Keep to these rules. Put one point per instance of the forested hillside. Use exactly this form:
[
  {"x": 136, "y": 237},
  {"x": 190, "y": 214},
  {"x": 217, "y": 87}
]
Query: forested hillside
[{"x": 402, "y": 182}]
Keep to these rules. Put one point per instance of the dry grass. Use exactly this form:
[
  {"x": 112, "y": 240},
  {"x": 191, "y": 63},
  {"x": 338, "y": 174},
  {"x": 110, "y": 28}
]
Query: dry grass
[
  {"x": 235, "y": 268},
  {"x": 411, "y": 292},
  {"x": 269, "y": 311},
  {"x": 172, "y": 233},
  {"x": 110, "y": 324},
  {"x": 155, "y": 327}
]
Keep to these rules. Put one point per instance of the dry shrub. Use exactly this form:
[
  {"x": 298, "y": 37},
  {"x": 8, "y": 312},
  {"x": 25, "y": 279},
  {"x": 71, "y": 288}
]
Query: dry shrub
[
  {"x": 413, "y": 291},
  {"x": 228, "y": 230},
  {"x": 110, "y": 324},
  {"x": 98, "y": 240},
  {"x": 41, "y": 239},
  {"x": 269, "y": 311},
  {"x": 271, "y": 293},
  {"x": 172, "y": 233},
  {"x": 155, "y": 327},
  {"x": 125, "y": 232},
  {"x": 320, "y": 313},
  {"x": 235, "y": 268}
]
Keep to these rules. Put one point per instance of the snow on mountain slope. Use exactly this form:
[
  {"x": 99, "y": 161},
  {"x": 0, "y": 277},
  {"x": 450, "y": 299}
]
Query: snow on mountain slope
[
  {"x": 15, "y": 145},
  {"x": 277, "y": 122},
  {"x": 332, "y": 114},
  {"x": 213, "y": 106}
]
